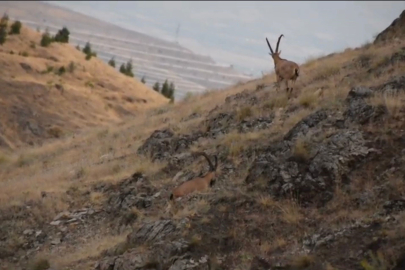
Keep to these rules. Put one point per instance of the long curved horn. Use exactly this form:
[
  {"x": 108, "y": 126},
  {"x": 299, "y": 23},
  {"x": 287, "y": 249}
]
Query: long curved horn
[
  {"x": 268, "y": 43},
  {"x": 207, "y": 158},
  {"x": 278, "y": 42}
]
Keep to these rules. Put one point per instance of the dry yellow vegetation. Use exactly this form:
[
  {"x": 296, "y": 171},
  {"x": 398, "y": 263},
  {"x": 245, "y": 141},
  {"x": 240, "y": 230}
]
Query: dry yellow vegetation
[
  {"x": 108, "y": 154},
  {"x": 37, "y": 101}
]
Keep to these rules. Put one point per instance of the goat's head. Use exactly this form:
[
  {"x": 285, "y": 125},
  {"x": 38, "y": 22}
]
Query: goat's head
[{"x": 275, "y": 55}]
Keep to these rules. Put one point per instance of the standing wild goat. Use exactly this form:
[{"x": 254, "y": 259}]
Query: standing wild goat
[
  {"x": 285, "y": 70},
  {"x": 196, "y": 184}
]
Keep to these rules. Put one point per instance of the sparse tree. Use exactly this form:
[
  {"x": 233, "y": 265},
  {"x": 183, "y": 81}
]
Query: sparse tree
[
  {"x": 3, "y": 28},
  {"x": 112, "y": 62},
  {"x": 143, "y": 80},
  {"x": 156, "y": 87},
  {"x": 87, "y": 48},
  {"x": 127, "y": 68},
  {"x": 3, "y": 34},
  {"x": 62, "y": 35},
  {"x": 46, "y": 39},
  {"x": 4, "y": 20},
  {"x": 15, "y": 28},
  {"x": 122, "y": 68},
  {"x": 171, "y": 91},
  {"x": 165, "y": 89}
]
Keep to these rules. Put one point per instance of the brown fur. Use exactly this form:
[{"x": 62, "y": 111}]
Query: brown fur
[
  {"x": 285, "y": 70},
  {"x": 196, "y": 184}
]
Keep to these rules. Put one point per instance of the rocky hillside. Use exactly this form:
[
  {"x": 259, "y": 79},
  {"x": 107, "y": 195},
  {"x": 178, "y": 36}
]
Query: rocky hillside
[
  {"x": 48, "y": 92},
  {"x": 312, "y": 182},
  {"x": 396, "y": 30}
]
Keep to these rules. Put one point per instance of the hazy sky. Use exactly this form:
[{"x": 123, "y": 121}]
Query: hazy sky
[{"x": 234, "y": 32}]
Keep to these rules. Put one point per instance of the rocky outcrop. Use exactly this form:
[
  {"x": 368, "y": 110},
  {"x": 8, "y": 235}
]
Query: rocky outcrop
[
  {"x": 395, "y": 30},
  {"x": 135, "y": 191},
  {"x": 302, "y": 127},
  {"x": 166, "y": 249},
  {"x": 162, "y": 144}
]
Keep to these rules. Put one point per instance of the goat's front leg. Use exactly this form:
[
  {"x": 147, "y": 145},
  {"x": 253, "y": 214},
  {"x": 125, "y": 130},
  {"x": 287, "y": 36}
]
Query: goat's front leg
[
  {"x": 292, "y": 85},
  {"x": 288, "y": 89},
  {"x": 278, "y": 81}
]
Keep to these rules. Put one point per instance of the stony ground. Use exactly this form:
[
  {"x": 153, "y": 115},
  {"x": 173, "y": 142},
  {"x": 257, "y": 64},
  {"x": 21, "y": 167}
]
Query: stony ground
[{"x": 311, "y": 182}]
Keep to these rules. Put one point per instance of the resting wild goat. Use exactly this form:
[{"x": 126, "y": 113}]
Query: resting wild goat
[
  {"x": 199, "y": 183},
  {"x": 285, "y": 70}
]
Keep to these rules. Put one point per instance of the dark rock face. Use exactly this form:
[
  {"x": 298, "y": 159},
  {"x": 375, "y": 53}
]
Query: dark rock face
[
  {"x": 220, "y": 124},
  {"x": 135, "y": 191},
  {"x": 255, "y": 124},
  {"x": 395, "y": 30},
  {"x": 153, "y": 231},
  {"x": 245, "y": 96},
  {"x": 358, "y": 111},
  {"x": 302, "y": 127},
  {"x": 163, "y": 143},
  {"x": 313, "y": 181},
  {"x": 393, "y": 86},
  {"x": 165, "y": 244},
  {"x": 337, "y": 150}
]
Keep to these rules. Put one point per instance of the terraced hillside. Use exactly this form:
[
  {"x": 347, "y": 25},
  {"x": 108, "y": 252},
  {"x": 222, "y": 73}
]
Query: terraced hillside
[
  {"x": 153, "y": 58},
  {"x": 311, "y": 182},
  {"x": 47, "y": 92}
]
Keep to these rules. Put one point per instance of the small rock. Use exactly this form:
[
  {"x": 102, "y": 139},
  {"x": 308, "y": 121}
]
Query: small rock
[
  {"x": 63, "y": 215},
  {"x": 55, "y": 241},
  {"x": 72, "y": 220},
  {"x": 28, "y": 232},
  {"x": 56, "y": 223}
]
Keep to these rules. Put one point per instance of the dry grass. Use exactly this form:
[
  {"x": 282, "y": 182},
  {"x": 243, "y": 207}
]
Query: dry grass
[
  {"x": 302, "y": 148},
  {"x": 393, "y": 102},
  {"x": 108, "y": 153},
  {"x": 277, "y": 101},
  {"x": 290, "y": 212},
  {"x": 244, "y": 113},
  {"x": 308, "y": 99},
  {"x": 236, "y": 142},
  {"x": 266, "y": 201},
  {"x": 302, "y": 262},
  {"x": 55, "y": 106},
  {"x": 88, "y": 250}
]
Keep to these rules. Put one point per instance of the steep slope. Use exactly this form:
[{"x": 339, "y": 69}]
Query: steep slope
[
  {"x": 313, "y": 182},
  {"x": 395, "y": 30},
  {"x": 39, "y": 102}
]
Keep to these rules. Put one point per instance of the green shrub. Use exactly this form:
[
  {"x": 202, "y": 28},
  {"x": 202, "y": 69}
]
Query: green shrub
[
  {"x": 62, "y": 36},
  {"x": 15, "y": 28},
  {"x": 46, "y": 39}
]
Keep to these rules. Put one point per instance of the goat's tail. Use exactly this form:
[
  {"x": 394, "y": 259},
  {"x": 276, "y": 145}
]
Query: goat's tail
[
  {"x": 171, "y": 196},
  {"x": 297, "y": 72}
]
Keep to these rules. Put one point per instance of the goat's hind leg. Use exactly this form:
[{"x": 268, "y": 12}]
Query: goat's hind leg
[
  {"x": 287, "y": 89},
  {"x": 278, "y": 83}
]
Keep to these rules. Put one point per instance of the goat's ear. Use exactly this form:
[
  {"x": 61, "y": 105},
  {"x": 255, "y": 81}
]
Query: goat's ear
[
  {"x": 279, "y": 52},
  {"x": 270, "y": 53}
]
